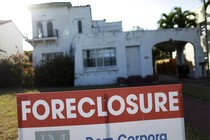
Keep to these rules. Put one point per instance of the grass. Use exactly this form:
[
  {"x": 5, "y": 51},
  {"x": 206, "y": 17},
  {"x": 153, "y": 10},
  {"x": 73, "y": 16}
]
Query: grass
[
  {"x": 8, "y": 112},
  {"x": 8, "y": 116},
  {"x": 194, "y": 134},
  {"x": 196, "y": 90}
]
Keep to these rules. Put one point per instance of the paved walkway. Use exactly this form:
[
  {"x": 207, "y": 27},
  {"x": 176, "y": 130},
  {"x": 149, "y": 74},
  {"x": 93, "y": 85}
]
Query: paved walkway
[{"x": 197, "y": 113}]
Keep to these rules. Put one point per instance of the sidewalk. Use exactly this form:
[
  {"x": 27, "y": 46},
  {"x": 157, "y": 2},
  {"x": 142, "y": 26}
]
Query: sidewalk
[{"x": 197, "y": 113}]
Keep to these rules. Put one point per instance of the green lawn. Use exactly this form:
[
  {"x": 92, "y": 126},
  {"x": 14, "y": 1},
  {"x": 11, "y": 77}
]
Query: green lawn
[
  {"x": 8, "y": 116},
  {"x": 195, "y": 90},
  {"x": 194, "y": 134},
  {"x": 8, "y": 112}
]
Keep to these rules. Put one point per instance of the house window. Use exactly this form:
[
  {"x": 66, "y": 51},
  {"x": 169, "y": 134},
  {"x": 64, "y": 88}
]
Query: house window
[
  {"x": 99, "y": 57},
  {"x": 79, "y": 26},
  {"x": 51, "y": 56},
  {"x": 50, "y": 29},
  {"x": 40, "y": 30}
]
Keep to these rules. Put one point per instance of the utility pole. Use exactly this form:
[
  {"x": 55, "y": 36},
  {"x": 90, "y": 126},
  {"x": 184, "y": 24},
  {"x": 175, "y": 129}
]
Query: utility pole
[{"x": 206, "y": 30}]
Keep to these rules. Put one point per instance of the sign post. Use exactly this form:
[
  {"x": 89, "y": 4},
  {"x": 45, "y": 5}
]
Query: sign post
[{"x": 134, "y": 113}]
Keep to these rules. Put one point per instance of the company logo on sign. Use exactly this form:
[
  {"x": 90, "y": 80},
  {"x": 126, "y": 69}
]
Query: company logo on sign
[{"x": 52, "y": 135}]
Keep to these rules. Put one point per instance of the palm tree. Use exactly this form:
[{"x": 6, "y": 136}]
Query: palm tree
[
  {"x": 177, "y": 19},
  {"x": 184, "y": 19},
  {"x": 166, "y": 21}
]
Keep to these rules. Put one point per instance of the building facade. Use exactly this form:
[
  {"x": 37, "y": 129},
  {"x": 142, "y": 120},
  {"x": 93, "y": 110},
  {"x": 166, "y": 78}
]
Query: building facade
[
  {"x": 55, "y": 26},
  {"x": 102, "y": 51},
  {"x": 201, "y": 23},
  {"x": 11, "y": 39}
]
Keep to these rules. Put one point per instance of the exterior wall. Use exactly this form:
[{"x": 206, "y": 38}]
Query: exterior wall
[
  {"x": 200, "y": 14},
  {"x": 11, "y": 40},
  {"x": 65, "y": 20},
  {"x": 101, "y": 26},
  {"x": 55, "y": 15},
  {"x": 82, "y": 14},
  {"x": 106, "y": 75},
  {"x": 145, "y": 39}
]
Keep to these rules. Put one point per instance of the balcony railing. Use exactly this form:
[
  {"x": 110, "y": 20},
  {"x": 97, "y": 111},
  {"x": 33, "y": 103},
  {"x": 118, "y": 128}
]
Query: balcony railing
[{"x": 52, "y": 35}]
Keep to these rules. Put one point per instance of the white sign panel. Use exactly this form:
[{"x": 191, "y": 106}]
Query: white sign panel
[{"x": 134, "y": 113}]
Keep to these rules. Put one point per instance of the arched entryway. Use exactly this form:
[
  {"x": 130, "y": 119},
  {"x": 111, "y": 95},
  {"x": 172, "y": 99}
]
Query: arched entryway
[{"x": 174, "y": 58}]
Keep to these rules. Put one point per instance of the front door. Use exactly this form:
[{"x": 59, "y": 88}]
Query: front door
[{"x": 133, "y": 60}]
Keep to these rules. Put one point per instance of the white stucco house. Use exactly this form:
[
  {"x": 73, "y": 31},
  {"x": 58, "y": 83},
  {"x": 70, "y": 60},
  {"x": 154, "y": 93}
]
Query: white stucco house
[
  {"x": 103, "y": 51},
  {"x": 201, "y": 22},
  {"x": 11, "y": 39}
]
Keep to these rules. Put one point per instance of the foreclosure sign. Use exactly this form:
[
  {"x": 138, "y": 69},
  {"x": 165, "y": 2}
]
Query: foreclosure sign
[{"x": 134, "y": 113}]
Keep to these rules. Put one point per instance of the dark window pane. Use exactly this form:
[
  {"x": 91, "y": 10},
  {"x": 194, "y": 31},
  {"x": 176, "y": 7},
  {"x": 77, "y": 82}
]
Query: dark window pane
[
  {"x": 99, "y": 62},
  {"x": 50, "y": 29},
  {"x": 79, "y": 26}
]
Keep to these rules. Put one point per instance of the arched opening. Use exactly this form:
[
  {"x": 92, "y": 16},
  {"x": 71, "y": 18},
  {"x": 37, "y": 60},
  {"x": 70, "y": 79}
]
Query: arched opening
[
  {"x": 174, "y": 58},
  {"x": 49, "y": 29},
  {"x": 39, "y": 30},
  {"x": 189, "y": 58}
]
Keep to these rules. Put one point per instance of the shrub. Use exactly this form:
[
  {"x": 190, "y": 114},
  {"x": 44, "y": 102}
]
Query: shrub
[
  {"x": 16, "y": 71},
  {"x": 10, "y": 74},
  {"x": 58, "y": 72}
]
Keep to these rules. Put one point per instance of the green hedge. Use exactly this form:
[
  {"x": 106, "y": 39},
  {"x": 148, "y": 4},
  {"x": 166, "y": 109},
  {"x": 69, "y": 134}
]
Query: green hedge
[
  {"x": 16, "y": 71},
  {"x": 58, "y": 72}
]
